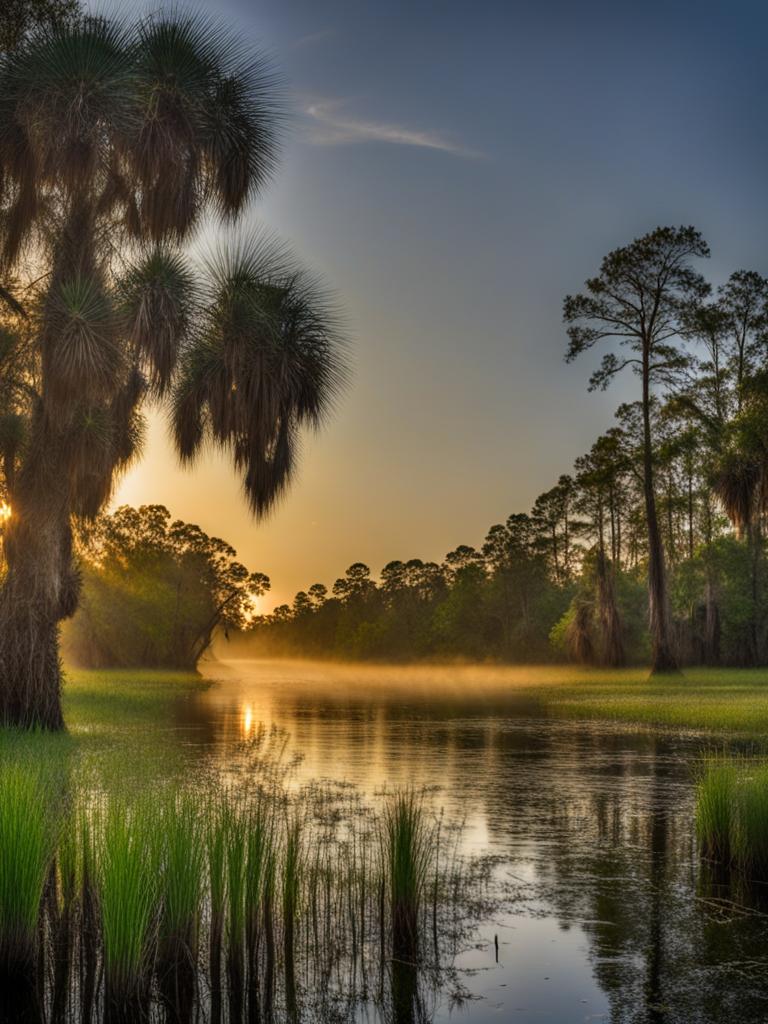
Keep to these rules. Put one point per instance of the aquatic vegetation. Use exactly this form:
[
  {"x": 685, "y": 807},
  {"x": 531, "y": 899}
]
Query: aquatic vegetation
[
  {"x": 283, "y": 886},
  {"x": 181, "y": 873},
  {"x": 407, "y": 852},
  {"x": 732, "y": 814},
  {"x": 216, "y": 852},
  {"x": 290, "y": 889},
  {"x": 128, "y": 871},
  {"x": 714, "y": 808},
  {"x": 165, "y": 893},
  {"x": 26, "y": 851},
  {"x": 180, "y": 899}
]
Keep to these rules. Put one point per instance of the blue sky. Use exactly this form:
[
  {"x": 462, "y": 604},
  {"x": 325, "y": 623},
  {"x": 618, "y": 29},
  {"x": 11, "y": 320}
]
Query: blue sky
[{"x": 453, "y": 170}]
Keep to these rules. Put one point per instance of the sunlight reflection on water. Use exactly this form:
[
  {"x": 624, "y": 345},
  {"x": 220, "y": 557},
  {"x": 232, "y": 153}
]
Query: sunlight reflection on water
[{"x": 591, "y": 826}]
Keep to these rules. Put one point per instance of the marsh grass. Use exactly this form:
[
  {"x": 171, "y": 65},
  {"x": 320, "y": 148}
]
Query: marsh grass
[
  {"x": 293, "y": 870},
  {"x": 181, "y": 875},
  {"x": 180, "y": 898},
  {"x": 715, "y": 798},
  {"x": 235, "y": 831},
  {"x": 732, "y": 814},
  {"x": 407, "y": 852},
  {"x": 27, "y": 831},
  {"x": 702, "y": 699},
  {"x": 260, "y": 855},
  {"x": 129, "y": 862},
  {"x": 243, "y": 896}
]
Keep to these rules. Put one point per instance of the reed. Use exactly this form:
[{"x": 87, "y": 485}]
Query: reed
[
  {"x": 732, "y": 814},
  {"x": 26, "y": 853},
  {"x": 407, "y": 842},
  {"x": 128, "y": 870},
  {"x": 88, "y": 945},
  {"x": 268, "y": 890},
  {"x": 259, "y": 851},
  {"x": 67, "y": 878},
  {"x": 181, "y": 895},
  {"x": 236, "y": 864},
  {"x": 715, "y": 799},
  {"x": 111, "y": 910},
  {"x": 216, "y": 852},
  {"x": 293, "y": 858},
  {"x": 749, "y": 840},
  {"x": 182, "y": 873}
]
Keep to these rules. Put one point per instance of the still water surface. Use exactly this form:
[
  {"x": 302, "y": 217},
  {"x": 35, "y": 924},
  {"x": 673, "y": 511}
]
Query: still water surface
[{"x": 605, "y": 915}]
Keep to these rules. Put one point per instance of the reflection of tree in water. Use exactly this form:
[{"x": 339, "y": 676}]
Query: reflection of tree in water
[
  {"x": 606, "y": 818},
  {"x": 622, "y": 865}
]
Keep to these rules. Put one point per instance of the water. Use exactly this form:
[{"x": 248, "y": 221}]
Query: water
[{"x": 603, "y": 915}]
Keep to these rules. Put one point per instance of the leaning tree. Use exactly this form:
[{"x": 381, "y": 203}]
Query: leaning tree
[
  {"x": 641, "y": 302},
  {"x": 118, "y": 146}
]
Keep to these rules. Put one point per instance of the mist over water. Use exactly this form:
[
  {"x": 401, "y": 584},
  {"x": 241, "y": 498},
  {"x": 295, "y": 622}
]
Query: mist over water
[{"x": 605, "y": 915}]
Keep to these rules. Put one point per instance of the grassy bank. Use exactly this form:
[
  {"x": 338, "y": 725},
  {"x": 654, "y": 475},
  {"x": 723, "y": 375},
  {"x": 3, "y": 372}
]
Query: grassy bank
[
  {"x": 717, "y": 700},
  {"x": 122, "y": 707}
]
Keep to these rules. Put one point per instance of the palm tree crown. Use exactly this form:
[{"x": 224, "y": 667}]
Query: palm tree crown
[
  {"x": 115, "y": 144},
  {"x": 118, "y": 144}
]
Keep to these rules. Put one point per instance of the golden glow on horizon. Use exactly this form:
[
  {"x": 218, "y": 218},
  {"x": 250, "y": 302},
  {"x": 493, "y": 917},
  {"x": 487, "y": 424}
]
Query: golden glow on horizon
[{"x": 5, "y": 512}]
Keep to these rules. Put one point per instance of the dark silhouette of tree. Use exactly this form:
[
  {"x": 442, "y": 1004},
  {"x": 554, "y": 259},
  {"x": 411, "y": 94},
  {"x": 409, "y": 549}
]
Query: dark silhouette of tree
[
  {"x": 18, "y": 18},
  {"x": 571, "y": 578},
  {"x": 115, "y": 143},
  {"x": 639, "y": 301},
  {"x": 726, "y": 401},
  {"x": 743, "y": 305},
  {"x": 551, "y": 517},
  {"x": 599, "y": 483}
]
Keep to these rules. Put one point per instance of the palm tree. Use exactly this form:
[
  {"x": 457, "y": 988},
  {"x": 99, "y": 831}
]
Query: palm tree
[{"x": 117, "y": 144}]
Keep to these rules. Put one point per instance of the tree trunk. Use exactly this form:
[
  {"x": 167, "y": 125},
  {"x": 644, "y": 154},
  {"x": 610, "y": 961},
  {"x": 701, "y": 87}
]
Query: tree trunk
[
  {"x": 610, "y": 620},
  {"x": 711, "y": 625},
  {"x": 40, "y": 589},
  {"x": 578, "y": 635},
  {"x": 662, "y": 657},
  {"x": 30, "y": 673},
  {"x": 752, "y": 650}
]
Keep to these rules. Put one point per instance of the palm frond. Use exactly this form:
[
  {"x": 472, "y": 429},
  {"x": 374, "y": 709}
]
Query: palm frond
[
  {"x": 66, "y": 90},
  {"x": 242, "y": 131},
  {"x": 158, "y": 299},
  {"x": 81, "y": 352},
  {"x": 19, "y": 219},
  {"x": 90, "y": 459},
  {"x": 13, "y": 432},
  {"x": 206, "y": 123},
  {"x": 128, "y": 426},
  {"x": 735, "y": 482},
  {"x": 201, "y": 372},
  {"x": 269, "y": 361},
  {"x": 101, "y": 442}
]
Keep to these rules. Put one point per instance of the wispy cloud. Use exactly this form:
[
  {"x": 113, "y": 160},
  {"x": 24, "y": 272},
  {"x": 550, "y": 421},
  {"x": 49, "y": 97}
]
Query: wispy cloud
[{"x": 328, "y": 124}]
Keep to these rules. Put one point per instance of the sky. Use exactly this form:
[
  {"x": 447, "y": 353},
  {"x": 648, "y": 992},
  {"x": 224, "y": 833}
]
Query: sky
[{"x": 452, "y": 171}]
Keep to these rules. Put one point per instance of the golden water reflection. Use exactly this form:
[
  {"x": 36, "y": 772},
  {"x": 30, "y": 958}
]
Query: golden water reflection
[{"x": 592, "y": 826}]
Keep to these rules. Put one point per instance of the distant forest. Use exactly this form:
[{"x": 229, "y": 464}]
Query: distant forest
[{"x": 652, "y": 550}]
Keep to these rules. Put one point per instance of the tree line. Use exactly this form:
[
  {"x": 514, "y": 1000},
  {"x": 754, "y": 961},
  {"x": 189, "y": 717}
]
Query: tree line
[{"x": 653, "y": 548}]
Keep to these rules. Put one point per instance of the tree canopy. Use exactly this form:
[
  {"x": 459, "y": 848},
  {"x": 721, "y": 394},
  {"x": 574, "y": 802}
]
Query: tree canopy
[{"x": 156, "y": 590}]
